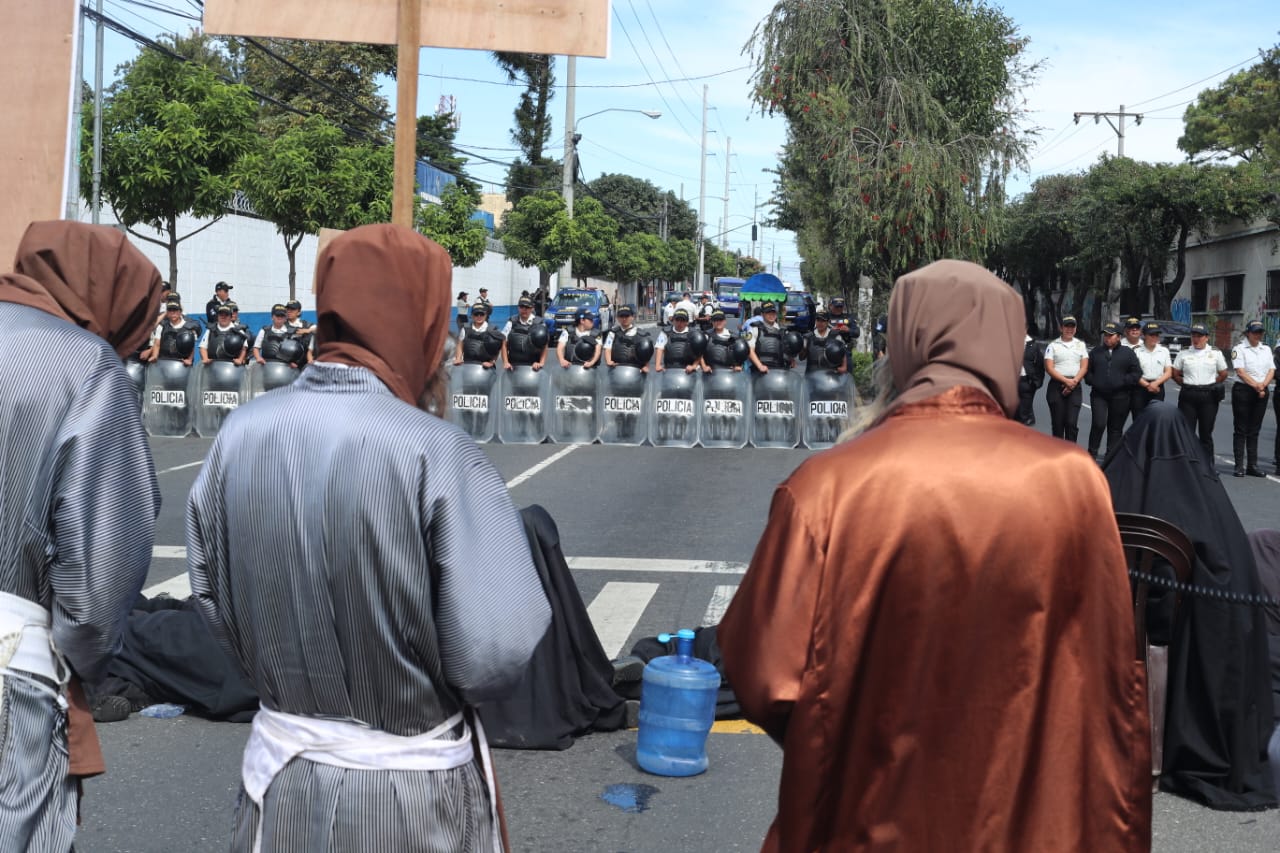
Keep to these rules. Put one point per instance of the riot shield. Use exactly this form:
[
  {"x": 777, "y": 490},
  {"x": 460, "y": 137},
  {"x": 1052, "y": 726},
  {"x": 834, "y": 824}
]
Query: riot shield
[
  {"x": 166, "y": 408},
  {"x": 673, "y": 418},
  {"x": 220, "y": 391},
  {"x": 473, "y": 400},
  {"x": 828, "y": 403},
  {"x": 137, "y": 375},
  {"x": 624, "y": 413},
  {"x": 573, "y": 415},
  {"x": 270, "y": 376},
  {"x": 775, "y": 411},
  {"x": 726, "y": 404},
  {"x": 525, "y": 399}
]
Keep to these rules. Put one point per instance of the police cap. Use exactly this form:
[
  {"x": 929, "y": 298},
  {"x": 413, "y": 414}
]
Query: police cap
[
  {"x": 277, "y": 310},
  {"x": 627, "y": 311},
  {"x": 293, "y": 305},
  {"x": 477, "y": 309},
  {"x": 224, "y": 309},
  {"x": 1110, "y": 329},
  {"x": 233, "y": 306},
  {"x": 222, "y": 285},
  {"x": 767, "y": 307},
  {"x": 525, "y": 302},
  {"x": 1069, "y": 320},
  {"x": 1152, "y": 328},
  {"x": 1254, "y": 326},
  {"x": 1200, "y": 329},
  {"x": 172, "y": 305},
  {"x": 1133, "y": 323},
  {"x": 583, "y": 314},
  {"x": 822, "y": 315},
  {"x": 679, "y": 315},
  {"x": 717, "y": 315}
]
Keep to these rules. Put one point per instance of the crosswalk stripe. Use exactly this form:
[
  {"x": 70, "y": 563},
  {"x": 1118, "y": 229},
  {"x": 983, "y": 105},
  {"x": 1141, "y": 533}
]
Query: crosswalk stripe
[
  {"x": 720, "y": 598},
  {"x": 169, "y": 552},
  {"x": 616, "y": 610},
  {"x": 588, "y": 564}
]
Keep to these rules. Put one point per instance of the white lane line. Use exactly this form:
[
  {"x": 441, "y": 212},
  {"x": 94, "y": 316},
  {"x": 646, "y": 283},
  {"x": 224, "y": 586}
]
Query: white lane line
[
  {"x": 628, "y": 564},
  {"x": 1231, "y": 463},
  {"x": 719, "y": 603},
  {"x": 178, "y": 586},
  {"x": 180, "y": 467},
  {"x": 550, "y": 460},
  {"x": 169, "y": 552},
  {"x": 616, "y": 611}
]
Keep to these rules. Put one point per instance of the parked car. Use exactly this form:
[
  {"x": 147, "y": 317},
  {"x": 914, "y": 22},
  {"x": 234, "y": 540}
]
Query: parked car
[
  {"x": 1173, "y": 334},
  {"x": 564, "y": 309},
  {"x": 726, "y": 296},
  {"x": 799, "y": 311}
]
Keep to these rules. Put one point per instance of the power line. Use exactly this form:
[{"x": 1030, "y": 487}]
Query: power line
[
  {"x": 658, "y": 59},
  {"x": 1196, "y": 83},
  {"x": 177, "y": 13},
  {"x": 670, "y": 111},
  {"x": 651, "y": 82}
]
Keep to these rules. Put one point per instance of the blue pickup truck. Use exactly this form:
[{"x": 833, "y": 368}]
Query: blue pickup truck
[{"x": 564, "y": 309}]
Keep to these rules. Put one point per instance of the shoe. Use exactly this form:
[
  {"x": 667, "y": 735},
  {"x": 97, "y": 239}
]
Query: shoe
[
  {"x": 110, "y": 709},
  {"x": 1239, "y": 472},
  {"x": 1254, "y": 472},
  {"x": 627, "y": 669}
]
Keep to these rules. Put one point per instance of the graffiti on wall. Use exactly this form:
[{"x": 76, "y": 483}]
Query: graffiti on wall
[{"x": 1180, "y": 311}]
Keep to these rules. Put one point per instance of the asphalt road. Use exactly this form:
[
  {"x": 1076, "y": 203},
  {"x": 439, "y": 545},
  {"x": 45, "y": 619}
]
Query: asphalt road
[{"x": 657, "y": 538}]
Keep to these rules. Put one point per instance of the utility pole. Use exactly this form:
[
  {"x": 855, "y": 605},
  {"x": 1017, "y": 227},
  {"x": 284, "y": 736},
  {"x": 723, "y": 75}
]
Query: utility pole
[
  {"x": 97, "y": 116},
  {"x": 1118, "y": 128},
  {"x": 724, "y": 237},
  {"x": 664, "y": 230},
  {"x": 570, "y": 166},
  {"x": 702, "y": 191},
  {"x": 73, "y": 185},
  {"x": 755, "y": 208}
]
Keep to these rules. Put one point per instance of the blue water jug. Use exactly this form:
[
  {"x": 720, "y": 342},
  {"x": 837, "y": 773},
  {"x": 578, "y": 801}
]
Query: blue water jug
[{"x": 677, "y": 708}]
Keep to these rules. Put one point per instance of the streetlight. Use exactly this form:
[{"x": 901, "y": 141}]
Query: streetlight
[{"x": 570, "y": 163}]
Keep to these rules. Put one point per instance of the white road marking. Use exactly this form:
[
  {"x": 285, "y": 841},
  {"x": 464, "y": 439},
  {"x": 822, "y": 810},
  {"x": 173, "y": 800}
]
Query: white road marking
[
  {"x": 719, "y": 603},
  {"x": 178, "y": 586},
  {"x": 550, "y": 460},
  {"x": 169, "y": 552},
  {"x": 180, "y": 467},
  {"x": 627, "y": 564},
  {"x": 616, "y": 611},
  {"x": 1231, "y": 463}
]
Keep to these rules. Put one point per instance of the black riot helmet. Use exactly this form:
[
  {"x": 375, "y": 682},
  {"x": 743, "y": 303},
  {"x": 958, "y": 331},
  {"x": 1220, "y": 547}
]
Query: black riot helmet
[
  {"x": 834, "y": 352},
  {"x": 697, "y": 342},
  {"x": 644, "y": 350},
  {"x": 291, "y": 350},
  {"x": 739, "y": 351},
  {"x": 185, "y": 343},
  {"x": 538, "y": 335},
  {"x": 233, "y": 344},
  {"x": 492, "y": 343},
  {"x": 584, "y": 349},
  {"x": 792, "y": 343}
]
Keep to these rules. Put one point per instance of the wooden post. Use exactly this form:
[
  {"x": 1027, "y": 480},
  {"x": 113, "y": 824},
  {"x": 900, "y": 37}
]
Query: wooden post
[{"x": 408, "y": 18}]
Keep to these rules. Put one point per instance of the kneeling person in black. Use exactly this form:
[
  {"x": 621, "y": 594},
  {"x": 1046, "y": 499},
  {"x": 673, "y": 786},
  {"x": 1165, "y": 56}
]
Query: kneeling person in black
[{"x": 1114, "y": 372}]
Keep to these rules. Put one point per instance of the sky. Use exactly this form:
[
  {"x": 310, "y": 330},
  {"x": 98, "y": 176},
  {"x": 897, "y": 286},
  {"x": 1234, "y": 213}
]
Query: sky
[{"x": 1153, "y": 58}]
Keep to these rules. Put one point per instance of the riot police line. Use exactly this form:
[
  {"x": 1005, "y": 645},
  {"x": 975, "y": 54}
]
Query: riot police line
[
  {"x": 179, "y": 393},
  {"x": 521, "y": 387}
]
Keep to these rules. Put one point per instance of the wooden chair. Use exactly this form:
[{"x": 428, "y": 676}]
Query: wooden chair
[{"x": 1145, "y": 538}]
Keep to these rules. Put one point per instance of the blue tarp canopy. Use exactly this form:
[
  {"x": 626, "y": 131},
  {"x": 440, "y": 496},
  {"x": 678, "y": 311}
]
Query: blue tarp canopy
[{"x": 763, "y": 287}]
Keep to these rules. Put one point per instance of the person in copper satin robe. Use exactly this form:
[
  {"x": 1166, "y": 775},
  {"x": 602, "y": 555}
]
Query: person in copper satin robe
[{"x": 936, "y": 625}]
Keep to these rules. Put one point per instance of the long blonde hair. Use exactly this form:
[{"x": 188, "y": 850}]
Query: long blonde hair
[{"x": 866, "y": 416}]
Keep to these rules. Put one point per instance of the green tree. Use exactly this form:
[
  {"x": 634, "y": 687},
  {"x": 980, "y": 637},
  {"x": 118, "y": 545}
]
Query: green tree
[
  {"x": 594, "y": 235},
  {"x": 532, "y": 171},
  {"x": 436, "y": 134},
  {"x": 646, "y": 204},
  {"x": 172, "y": 133},
  {"x": 451, "y": 224},
  {"x": 1238, "y": 118},
  {"x": 902, "y": 127},
  {"x": 679, "y": 262},
  {"x": 537, "y": 232},
  {"x": 310, "y": 178},
  {"x": 634, "y": 258},
  {"x": 337, "y": 80}
]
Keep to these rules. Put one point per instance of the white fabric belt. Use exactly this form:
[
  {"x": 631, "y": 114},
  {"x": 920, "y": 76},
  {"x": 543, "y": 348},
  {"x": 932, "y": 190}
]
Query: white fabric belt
[
  {"x": 277, "y": 738},
  {"x": 26, "y": 643}
]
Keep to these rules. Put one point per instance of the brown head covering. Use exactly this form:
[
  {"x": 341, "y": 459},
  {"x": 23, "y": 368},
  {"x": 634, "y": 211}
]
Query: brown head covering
[
  {"x": 87, "y": 274},
  {"x": 954, "y": 323},
  {"x": 382, "y": 302}
]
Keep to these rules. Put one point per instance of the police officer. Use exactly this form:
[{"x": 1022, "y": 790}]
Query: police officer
[
  {"x": 1200, "y": 370},
  {"x": 235, "y": 321},
  {"x": 1157, "y": 368},
  {"x": 164, "y": 341},
  {"x": 303, "y": 331},
  {"x": 214, "y": 343},
  {"x": 705, "y": 310},
  {"x": 686, "y": 302},
  {"x": 765, "y": 340},
  {"x": 1254, "y": 365},
  {"x": 472, "y": 339},
  {"x": 517, "y": 343},
  {"x": 483, "y": 301},
  {"x": 620, "y": 345},
  {"x": 1030, "y": 378},
  {"x": 266, "y": 346},
  {"x": 567, "y": 345},
  {"x": 1066, "y": 360},
  {"x": 844, "y": 326},
  {"x": 1114, "y": 372},
  {"x": 221, "y": 296},
  {"x": 814, "y": 352},
  {"x": 719, "y": 352},
  {"x": 1132, "y": 333},
  {"x": 675, "y": 350}
]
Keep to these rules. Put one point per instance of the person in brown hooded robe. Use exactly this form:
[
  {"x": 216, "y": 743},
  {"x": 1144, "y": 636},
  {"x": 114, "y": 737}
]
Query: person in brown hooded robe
[
  {"x": 935, "y": 625},
  {"x": 78, "y": 503}
]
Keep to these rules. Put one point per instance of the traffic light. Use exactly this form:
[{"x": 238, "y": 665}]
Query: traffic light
[{"x": 755, "y": 234}]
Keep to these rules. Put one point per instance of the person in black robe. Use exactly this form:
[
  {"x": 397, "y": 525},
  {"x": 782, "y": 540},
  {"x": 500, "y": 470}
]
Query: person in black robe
[
  {"x": 1220, "y": 715},
  {"x": 1266, "y": 551}
]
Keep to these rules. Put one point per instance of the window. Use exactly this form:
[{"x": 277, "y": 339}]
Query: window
[
  {"x": 1233, "y": 293},
  {"x": 1199, "y": 296},
  {"x": 1273, "y": 290}
]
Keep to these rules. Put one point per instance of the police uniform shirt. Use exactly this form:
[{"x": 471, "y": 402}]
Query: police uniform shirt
[
  {"x": 630, "y": 333},
  {"x": 1153, "y": 361},
  {"x": 506, "y": 330},
  {"x": 751, "y": 338},
  {"x": 262, "y": 333},
  {"x": 474, "y": 330},
  {"x": 1255, "y": 361},
  {"x": 1066, "y": 356},
  {"x": 155, "y": 336},
  {"x": 661, "y": 343},
  {"x": 1200, "y": 366},
  {"x": 687, "y": 306},
  {"x": 204, "y": 339}
]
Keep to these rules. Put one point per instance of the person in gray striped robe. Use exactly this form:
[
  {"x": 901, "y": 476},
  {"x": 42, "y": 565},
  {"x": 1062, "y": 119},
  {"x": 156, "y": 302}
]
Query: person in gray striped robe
[
  {"x": 363, "y": 562},
  {"x": 78, "y": 503}
]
